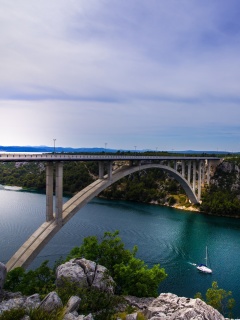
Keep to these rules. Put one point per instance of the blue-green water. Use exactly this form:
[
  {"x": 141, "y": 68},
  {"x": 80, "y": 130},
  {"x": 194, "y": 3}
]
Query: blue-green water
[{"x": 175, "y": 239}]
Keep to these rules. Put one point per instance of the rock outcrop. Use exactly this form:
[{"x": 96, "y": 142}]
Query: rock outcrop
[
  {"x": 85, "y": 273},
  {"x": 169, "y": 306}
]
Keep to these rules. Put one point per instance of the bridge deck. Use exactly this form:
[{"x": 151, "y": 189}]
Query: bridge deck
[{"x": 75, "y": 157}]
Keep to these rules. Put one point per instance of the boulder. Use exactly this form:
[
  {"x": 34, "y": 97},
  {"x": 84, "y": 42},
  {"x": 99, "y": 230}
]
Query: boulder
[
  {"x": 169, "y": 306},
  {"x": 51, "y": 302},
  {"x": 132, "y": 316},
  {"x": 89, "y": 268},
  {"x": 3, "y": 274},
  {"x": 88, "y": 317},
  {"x": 84, "y": 273},
  {"x": 72, "y": 304},
  {"x": 102, "y": 280},
  {"x": 20, "y": 301},
  {"x": 70, "y": 316},
  {"x": 71, "y": 271}
]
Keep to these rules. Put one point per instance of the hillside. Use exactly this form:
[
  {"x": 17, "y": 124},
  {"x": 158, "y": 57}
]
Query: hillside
[{"x": 222, "y": 197}]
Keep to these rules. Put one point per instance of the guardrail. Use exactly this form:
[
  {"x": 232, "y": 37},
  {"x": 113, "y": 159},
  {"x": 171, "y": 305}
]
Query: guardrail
[{"x": 73, "y": 157}]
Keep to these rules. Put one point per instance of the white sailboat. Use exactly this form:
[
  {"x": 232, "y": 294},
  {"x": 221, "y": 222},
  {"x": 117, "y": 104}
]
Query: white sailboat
[{"x": 203, "y": 267}]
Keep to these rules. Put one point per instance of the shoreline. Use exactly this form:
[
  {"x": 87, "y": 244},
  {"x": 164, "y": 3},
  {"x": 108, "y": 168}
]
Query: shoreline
[{"x": 175, "y": 206}]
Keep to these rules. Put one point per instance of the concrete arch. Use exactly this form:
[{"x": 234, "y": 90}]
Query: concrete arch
[
  {"x": 175, "y": 174},
  {"x": 37, "y": 241}
]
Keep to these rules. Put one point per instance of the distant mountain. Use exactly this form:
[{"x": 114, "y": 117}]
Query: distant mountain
[
  {"x": 51, "y": 149},
  {"x": 92, "y": 150}
]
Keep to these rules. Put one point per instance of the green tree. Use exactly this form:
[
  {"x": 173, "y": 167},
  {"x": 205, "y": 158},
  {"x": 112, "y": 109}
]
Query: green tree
[
  {"x": 131, "y": 275},
  {"x": 40, "y": 280},
  {"x": 219, "y": 299}
]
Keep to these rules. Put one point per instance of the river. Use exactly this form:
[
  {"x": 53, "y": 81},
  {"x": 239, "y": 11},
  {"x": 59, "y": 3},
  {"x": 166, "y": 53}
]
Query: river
[{"x": 173, "y": 238}]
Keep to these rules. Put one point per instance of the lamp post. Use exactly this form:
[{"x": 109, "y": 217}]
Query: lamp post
[{"x": 54, "y": 145}]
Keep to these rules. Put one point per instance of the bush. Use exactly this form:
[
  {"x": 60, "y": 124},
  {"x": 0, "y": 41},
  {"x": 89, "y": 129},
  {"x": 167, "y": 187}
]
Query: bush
[
  {"x": 40, "y": 280},
  {"x": 131, "y": 275},
  {"x": 102, "y": 304},
  {"x": 218, "y": 299},
  {"x": 13, "y": 314}
]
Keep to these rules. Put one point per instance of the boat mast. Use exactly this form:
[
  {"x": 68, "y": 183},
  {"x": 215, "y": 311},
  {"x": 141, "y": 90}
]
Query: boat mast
[{"x": 206, "y": 256}]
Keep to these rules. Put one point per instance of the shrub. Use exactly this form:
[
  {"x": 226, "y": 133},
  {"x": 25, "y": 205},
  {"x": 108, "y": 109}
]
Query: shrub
[
  {"x": 40, "y": 280},
  {"x": 13, "y": 314},
  {"x": 218, "y": 299},
  {"x": 131, "y": 275},
  {"x": 102, "y": 304}
]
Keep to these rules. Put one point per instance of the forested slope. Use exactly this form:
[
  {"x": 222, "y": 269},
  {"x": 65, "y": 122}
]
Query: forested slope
[{"x": 222, "y": 197}]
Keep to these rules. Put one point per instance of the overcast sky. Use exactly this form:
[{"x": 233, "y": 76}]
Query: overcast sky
[{"x": 155, "y": 74}]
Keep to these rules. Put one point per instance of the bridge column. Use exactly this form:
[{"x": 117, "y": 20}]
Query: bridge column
[
  {"x": 100, "y": 169},
  {"x": 199, "y": 179},
  {"x": 59, "y": 192},
  {"x": 203, "y": 173},
  {"x": 110, "y": 170},
  {"x": 208, "y": 171},
  {"x": 189, "y": 171},
  {"x": 183, "y": 168},
  {"x": 175, "y": 165},
  {"x": 194, "y": 176},
  {"x": 49, "y": 191}
]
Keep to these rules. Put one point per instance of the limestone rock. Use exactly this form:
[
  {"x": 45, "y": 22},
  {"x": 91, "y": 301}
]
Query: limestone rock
[
  {"x": 84, "y": 273},
  {"x": 169, "y": 306},
  {"x": 3, "y": 273},
  {"x": 51, "y": 302},
  {"x": 88, "y": 317},
  {"x": 69, "y": 316},
  {"x": 72, "y": 304},
  {"x": 89, "y": 268},
  {"x": 17, "y": 300},
  {"x": 139, "y": 303},
  {"x": 132, "y": 316},
  {"x": 103, "y": 281},
  {"x": 71, "y": 271},
  {"x": 32, "y": 301}
]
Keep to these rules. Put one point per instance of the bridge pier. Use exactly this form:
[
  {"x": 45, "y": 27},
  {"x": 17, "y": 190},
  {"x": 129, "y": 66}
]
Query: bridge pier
[
  {"x": 194, "y": 177},
  {"x": 199, "y": 179},
  {"x": 109, "y": 168},
  {"x": 58, "y": 192},
  {"x": 49, "y": 191},
  {"x": 208, "y": 172},
  {"x": 183, "y": 168},
  {"x": 100, "y": 169},
  {"x": 189, "y": 171}
]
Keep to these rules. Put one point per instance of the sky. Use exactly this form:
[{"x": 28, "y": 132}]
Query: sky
[{"x": 121, "y": 74}]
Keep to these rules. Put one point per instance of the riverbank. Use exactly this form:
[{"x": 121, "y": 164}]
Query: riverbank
[{"x": 13, "y": 188}]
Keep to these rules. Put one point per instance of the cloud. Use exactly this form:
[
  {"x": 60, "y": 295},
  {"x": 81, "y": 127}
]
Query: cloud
[{"x": 129, "y": 70}]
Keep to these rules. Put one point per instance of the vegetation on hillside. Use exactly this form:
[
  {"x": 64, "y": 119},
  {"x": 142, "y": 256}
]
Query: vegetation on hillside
[
  {"x": 222, "y": 197},
  {"x": 31, "y": 175}
]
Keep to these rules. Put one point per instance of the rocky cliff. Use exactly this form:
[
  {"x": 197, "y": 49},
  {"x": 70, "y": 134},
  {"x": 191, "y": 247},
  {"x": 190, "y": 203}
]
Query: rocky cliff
[{"x": 86, "y": 273}]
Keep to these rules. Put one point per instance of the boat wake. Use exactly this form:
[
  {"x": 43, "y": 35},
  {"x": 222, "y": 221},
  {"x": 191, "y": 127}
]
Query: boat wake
[{"x": 193, "y": 264}]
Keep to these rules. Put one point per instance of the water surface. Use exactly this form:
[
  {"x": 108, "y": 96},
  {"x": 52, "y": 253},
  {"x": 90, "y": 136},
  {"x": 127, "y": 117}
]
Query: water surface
[{"x": 173, "y": 238}]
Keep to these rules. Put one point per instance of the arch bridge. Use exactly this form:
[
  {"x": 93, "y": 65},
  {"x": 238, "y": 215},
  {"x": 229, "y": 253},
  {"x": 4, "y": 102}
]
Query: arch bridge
[{"x": 191, "y": 172}]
